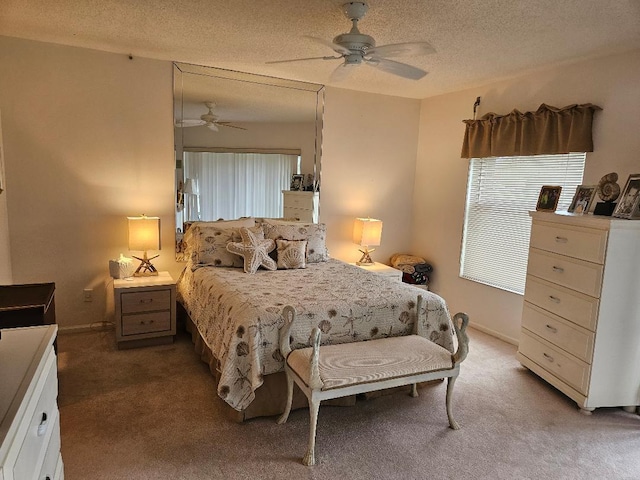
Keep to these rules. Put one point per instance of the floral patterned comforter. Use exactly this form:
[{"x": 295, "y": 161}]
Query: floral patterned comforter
[{"x": 239, "y": 315}]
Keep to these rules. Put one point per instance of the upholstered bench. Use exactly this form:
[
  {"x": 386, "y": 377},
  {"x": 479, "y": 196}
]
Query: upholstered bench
[{"x": 333, "y": 371}]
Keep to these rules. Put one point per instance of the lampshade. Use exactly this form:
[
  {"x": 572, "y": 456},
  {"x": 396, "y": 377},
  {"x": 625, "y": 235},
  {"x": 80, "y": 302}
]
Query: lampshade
[
  {"x": 144, "y": 233},
  {"x": 191, "y": 186},
  {"x": 367, "y": 232}
]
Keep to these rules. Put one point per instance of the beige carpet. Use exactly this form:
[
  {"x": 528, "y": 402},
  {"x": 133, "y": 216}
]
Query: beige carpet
[{"x": 153, "y": 413}]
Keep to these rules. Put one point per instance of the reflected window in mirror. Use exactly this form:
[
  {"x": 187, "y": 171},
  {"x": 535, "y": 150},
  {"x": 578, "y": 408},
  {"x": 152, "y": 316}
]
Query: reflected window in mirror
[{"x": 232, "y": 185}]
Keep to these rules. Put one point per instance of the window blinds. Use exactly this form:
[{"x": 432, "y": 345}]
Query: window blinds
[{"x": 500, "y": 193}]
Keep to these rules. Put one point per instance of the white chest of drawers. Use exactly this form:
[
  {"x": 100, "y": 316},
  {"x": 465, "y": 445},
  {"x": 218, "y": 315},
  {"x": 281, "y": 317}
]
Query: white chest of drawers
[
  {"x": 382, "y": 269},
  {"x": 29, "y": 418},
  {"x": 581, "y": 314},
  {"x": 301, "y": 205}
]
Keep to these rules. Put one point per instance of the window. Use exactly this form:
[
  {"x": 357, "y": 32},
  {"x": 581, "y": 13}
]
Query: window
[{"x": 500, "y": 193}]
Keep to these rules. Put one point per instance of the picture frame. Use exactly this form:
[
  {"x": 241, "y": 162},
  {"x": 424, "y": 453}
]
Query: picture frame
[
  {"x": 548, "y": 198},
  {"x": 297, "y": 182},
  {"x": 582, "y": 199},
  {"x": 628, "y": 205}
]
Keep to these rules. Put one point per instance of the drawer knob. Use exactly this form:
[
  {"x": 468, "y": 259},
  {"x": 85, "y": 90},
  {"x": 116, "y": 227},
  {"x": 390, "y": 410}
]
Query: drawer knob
[
  {"x": 146, "y": 300},
  {"x": 558, "y": 269},
  {"x": 554, "y": 299},
  {"x": 548, "y": 357},
  {"x": 552, "y": 328},
  {"x": 42, "y": 427},
  {"x": 562, "y": 239}
]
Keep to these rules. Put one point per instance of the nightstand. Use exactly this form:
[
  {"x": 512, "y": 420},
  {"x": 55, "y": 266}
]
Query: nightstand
[
  {"x": 145, "y": 310},
  {"x": 384, "y": 270}
]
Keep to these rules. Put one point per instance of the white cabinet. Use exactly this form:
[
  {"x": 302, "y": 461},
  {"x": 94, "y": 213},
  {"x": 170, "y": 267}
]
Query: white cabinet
[
  {"x": 301, "y": 205},
  {"x": 145, "y": 310},
  {"x": 30, "y": 422},
  {"x": 581, "y": 315}
]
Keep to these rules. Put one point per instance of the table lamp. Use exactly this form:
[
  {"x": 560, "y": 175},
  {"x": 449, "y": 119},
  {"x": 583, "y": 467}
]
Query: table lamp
[
  {"x": 144, "y": 235},
  {"x": 367, "y": 233}
]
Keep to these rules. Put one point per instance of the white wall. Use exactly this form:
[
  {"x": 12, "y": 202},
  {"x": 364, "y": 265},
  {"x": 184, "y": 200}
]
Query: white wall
[
  {"x": 368, "y": 164},
  {"x": 441, "y": 174},
  {"x": 88, "y": 140}
]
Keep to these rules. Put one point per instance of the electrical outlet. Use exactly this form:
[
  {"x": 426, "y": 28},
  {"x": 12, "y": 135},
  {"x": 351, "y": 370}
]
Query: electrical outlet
[{"x": 88, "y": 294}]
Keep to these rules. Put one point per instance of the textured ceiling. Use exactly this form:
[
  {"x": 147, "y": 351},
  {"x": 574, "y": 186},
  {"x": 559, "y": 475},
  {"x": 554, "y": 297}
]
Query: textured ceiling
[{"x": 476, "y": 41}]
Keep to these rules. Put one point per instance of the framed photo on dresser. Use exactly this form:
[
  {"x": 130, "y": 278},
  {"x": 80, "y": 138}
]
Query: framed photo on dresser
[
  {"x": 628, "y": 205},
  {"x": 548, "y": 198},
  {"x": 583, "y": 198}
]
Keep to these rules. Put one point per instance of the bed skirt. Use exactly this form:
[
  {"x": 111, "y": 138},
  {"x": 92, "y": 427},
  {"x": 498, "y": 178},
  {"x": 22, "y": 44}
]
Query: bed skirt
[{"x": 271, "y": 397}]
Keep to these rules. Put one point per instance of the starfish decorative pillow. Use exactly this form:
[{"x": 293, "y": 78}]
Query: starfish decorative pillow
[{"x": 254, "y": 250}]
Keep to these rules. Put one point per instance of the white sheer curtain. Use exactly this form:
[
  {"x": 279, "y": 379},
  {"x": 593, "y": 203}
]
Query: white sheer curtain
[{"x": 234, "y": 185}]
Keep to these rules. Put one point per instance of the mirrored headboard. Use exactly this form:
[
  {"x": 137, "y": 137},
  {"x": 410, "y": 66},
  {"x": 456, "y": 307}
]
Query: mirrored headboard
[{"x": 227, "y": 116}]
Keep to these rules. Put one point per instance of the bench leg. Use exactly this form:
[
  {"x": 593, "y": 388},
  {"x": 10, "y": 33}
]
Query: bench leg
[
  {"x": 414, "y": 390},
  {"x": 310, "y": 457},
  {"x": 452, "y": 423},
  {"x": 283, "y": 418}
]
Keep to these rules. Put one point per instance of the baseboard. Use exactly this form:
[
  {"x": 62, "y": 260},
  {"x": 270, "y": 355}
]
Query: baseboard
[
  {"x": 493, "y": 333},
  {"x": 87, "y": 327}
]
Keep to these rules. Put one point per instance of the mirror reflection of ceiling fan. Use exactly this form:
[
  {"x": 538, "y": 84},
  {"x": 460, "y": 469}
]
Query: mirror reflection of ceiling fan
[
  {"x": 209, "y": 120},
  {"x": 357, "y": 48}
]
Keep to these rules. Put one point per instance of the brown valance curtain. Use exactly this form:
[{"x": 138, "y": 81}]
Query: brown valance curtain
[{"x": 548, "y": 130}]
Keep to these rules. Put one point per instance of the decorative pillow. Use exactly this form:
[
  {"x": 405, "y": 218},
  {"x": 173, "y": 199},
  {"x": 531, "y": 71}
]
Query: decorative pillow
[
  {"x": 207, "y": 247},
  {"x": 314, "y": 233},
  {"x": 291, "y": 254},
  {"x": 254, "y": 251},
  {"x": 190, "y": 242}
]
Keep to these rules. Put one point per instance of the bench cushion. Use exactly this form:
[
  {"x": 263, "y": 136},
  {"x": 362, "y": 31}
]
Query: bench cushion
[{"x": 357, "y": 363}]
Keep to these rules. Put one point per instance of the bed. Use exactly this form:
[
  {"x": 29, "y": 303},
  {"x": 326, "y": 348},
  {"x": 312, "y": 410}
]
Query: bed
[{"x": 235, "y": 317}]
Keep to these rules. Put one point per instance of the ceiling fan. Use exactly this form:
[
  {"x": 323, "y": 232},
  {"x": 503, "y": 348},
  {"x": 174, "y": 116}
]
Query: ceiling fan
[
  {"x": 209, "y": 120},
  {"x": 357, "y": 48}
]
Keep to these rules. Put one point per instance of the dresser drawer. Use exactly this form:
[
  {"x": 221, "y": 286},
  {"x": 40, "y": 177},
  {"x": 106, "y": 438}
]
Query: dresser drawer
[
  {"x": 573, "y": 339},
  {"x": 148, "y": 301},
  {"x": 571, "y": 370},
  {"x": 578, "y": 275},
  {"x": 578, "y": 242},
  {"x": 574, "y": 306},
  {"x": 146, "y": 323},
  {"x": 302, "y": 214},
  {"x": 52, "y": 455},
  {"x": 42, "y": 421},
  {"x": 298, "y": 201}
]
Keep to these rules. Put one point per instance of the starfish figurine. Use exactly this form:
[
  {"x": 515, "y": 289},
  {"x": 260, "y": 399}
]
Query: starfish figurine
[{"x": 254, "y": 251}]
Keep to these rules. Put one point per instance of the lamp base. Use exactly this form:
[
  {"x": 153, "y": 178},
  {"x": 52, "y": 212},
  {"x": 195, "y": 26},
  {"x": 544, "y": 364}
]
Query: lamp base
[
  {"x": 366, "y": 260},
  {"x": 145, "y": 269}
]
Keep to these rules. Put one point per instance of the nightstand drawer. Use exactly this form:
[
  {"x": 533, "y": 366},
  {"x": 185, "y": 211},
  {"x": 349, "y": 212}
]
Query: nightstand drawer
[
  {"x": 146, "y": 323},
  {"x": 578, "y": 242},
  {"x": 149, "y": 301},
  {"x": 573, "y": 339},
  {"x": 574, "y": 306},
  {"x": 52, "y": 456},
  {"x": 578, "y": 275},
  {"x": 571, "y": 370}
]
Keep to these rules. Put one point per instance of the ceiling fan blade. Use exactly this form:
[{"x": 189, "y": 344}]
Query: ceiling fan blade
[
  {"x": 341, "y": 72},
  {"x": 212, "y": 126},
  {"x": 396, "y": 68},
  {"x": 303, "y": 59},
  {"x": 401, "y": 49},
  {"x": 226, "y": 124},
  {"x": 189, "y": 123},
  {"x": 333, "y": 46}
]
